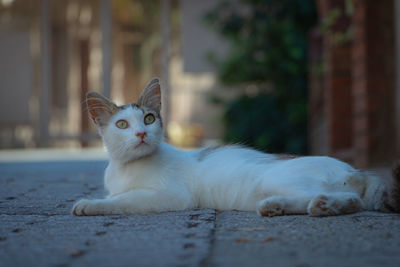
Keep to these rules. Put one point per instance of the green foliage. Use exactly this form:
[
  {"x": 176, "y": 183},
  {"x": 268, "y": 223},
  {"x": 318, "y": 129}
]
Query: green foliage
[
  {"x": 339, "y": 36},
  {"x": 259, "y": 122},
  {"x": 268, "y": 41}
]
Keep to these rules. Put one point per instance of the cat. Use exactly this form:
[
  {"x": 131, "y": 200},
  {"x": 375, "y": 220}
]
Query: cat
[{"x": 146, "y": 175}]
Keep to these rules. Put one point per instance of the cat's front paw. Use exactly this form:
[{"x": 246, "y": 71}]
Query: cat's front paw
[
  {"x": 270, "y": 207},
  {"x": 85, "y": 207}
]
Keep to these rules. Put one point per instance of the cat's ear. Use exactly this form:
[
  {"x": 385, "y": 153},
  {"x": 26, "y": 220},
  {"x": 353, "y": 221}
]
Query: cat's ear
[
  {"x": 100, "y": 108},
  {"x": 151, "y": 96}
]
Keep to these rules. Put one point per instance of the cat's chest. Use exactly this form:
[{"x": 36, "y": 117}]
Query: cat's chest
[{"x": 119, "y": 179}]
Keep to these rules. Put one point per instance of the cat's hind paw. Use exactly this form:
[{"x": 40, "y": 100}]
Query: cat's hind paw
[
  {"x": 321, "y": 205},
  {"x": 270, "y": 207},
  {"x": 328, "y": 205}
]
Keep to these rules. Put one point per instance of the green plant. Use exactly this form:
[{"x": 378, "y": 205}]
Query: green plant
[
  {"x": 268, "y": 40},
  {"x": 339, "y": 36}
]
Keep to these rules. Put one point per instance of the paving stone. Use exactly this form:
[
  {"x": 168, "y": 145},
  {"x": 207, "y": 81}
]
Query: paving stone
[{"x": 361, "y": 239}]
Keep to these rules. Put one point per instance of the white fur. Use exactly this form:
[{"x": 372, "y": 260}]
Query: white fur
[{"x": 156, "y": 177}]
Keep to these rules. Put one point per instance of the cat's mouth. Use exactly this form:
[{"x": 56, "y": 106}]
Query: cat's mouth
[{"x": 142, "y": 143}]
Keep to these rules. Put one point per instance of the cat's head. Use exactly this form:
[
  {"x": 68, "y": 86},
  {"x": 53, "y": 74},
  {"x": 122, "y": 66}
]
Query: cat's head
[{"x": 130, "y": 131}]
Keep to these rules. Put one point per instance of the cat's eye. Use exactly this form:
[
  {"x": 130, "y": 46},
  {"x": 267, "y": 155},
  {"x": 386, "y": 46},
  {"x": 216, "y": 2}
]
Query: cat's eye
[
  {"x": 149, "y": 119},
  {"x": 122, "y": 124}
]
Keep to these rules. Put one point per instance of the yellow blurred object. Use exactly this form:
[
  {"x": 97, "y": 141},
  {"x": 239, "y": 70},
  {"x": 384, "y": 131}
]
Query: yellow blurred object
[{"x": 185, "y": 135}]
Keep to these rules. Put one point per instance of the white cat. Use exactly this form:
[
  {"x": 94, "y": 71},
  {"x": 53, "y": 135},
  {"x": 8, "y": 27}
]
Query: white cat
[{"x": 146, "y": 175}]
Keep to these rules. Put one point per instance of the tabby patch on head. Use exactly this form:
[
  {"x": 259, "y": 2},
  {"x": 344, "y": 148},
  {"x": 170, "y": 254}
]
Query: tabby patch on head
[{"x": 130, "y": 131}]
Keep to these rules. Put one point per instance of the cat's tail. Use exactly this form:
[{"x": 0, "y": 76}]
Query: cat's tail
[
  {"x": 393, "y": 202},
  {"x": 376, "y": 194},
  {"x": 381, "y": 195}
]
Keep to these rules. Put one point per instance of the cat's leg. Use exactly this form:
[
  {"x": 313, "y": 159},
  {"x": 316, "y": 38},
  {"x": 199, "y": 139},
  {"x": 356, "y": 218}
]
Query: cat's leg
[
  {"x": 335, "y": 204},
  {"x": 283, "y": 205},
  {"x": 135, "y": 201}
]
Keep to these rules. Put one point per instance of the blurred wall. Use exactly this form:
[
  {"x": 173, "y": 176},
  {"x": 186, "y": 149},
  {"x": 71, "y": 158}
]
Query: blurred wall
[
  {"x": 16, "y": 78},
  {"x": 193, "y": 79},
  {"x": 198, "y": 39},
  {"x": 53, "y": 52},
  {"x": 353, "y": 107}
]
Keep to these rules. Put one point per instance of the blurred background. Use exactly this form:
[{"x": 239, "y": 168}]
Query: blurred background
[{"x": 284, "y": 76}]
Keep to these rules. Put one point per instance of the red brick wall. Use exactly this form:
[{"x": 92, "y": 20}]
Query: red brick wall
[
  {"x": 373, "y": 81},
  {"x": 357, "y": 85},
  {"x": 318, "y": 130},
  {"x": 335, "y": 118}
]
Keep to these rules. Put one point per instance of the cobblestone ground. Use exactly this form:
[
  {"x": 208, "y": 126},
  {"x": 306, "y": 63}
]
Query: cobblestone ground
[{"x": 37, "y": 229}]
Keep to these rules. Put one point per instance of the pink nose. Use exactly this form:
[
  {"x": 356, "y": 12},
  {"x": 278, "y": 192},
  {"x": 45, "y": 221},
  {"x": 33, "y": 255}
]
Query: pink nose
[{"x": 142, "y": 135}]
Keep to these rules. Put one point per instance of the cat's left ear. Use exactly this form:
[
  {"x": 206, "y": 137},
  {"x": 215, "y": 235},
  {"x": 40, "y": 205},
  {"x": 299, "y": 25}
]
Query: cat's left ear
[{"x": 151, "y": 96}]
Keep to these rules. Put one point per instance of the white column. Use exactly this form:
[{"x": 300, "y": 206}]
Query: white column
[
  {"x": 105, "y": 24},
  {"x": 45, "y": 89},
  {"x": 397, "y": 73},
  {"x": 165, "y": 82}
]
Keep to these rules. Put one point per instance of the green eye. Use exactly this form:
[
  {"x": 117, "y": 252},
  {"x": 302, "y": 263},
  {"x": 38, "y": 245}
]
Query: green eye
[
  {"x": 122, "y": 124},
  {"x": 149, "y": 119}
]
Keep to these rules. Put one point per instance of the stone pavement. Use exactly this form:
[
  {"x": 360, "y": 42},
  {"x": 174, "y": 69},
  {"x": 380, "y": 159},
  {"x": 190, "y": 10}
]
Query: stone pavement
[{"x": 37, "y": 228}]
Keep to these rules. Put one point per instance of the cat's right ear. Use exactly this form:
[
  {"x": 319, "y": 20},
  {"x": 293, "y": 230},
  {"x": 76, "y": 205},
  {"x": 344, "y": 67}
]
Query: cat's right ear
[{"x": 100, "y": 108}]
